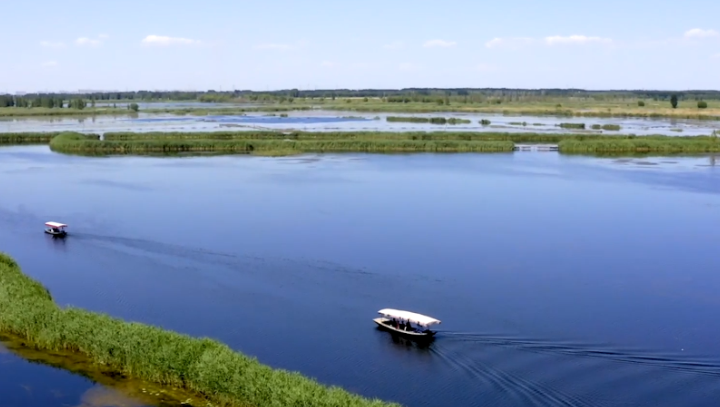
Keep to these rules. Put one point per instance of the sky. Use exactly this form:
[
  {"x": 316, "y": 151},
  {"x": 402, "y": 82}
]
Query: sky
[{"x": 282, "y": 44}]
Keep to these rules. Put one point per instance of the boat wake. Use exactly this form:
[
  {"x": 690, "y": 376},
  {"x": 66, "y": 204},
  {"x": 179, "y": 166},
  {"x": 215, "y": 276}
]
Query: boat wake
[
  {"x": 527, "y": 372},
  {"x": 577, "y": 350}
]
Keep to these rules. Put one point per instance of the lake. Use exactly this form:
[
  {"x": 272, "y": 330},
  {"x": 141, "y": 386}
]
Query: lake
[
  {"x": 559, "y": 280},
  {"x": 322, "y": 120}
]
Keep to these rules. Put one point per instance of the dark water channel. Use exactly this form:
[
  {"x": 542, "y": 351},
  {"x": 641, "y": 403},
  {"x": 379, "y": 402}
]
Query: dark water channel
[{"x": 560, "y": 281}]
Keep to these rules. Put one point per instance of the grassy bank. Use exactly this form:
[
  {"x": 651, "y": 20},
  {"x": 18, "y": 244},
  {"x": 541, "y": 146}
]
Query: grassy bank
[{"x": 205, "y": 366}]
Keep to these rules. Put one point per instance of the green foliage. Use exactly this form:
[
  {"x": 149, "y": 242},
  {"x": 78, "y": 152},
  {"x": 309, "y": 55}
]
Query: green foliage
[
  {"x": 146, "y": 352},
  {"x": 273, "y": 145},
  {"x": 485, "y": 122},
  {"x": 674, "y": 101},
  {"x": 26, "y": 138},
  {"x": 134, "y": 107},
  {"x": 667, "y": 145},
  {"x": 702, "y": 104},
  {"x": 432, "y": 120},
  {"x": 608, "y": 127},
  {"x": 641, "y": 103},
  {"x": 572, "y": 125}
]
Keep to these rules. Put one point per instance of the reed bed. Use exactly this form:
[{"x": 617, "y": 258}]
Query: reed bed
[
  {"x": 431, "y": 120},
  {"x": 669, "y": 145},
  {"x": 146, "y": 352},
  {"x": 572, "y": 125},
  {"x": 26, "y": 138},
  {"x": 607, "y": 127},
  {"x": 77, "y": 144},
  {"x": 519, "y": 137},
  {"x": 272, "y": 143}
]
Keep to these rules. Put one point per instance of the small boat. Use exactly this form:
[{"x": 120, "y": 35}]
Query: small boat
[
  {"x": 56, "y": 229},
  {"x": 401, "y": 322}
]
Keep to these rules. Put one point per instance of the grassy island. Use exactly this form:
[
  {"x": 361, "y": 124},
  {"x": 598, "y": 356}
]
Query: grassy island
[
  {"x": 275, "y": 143},
  {"x": 203, "y": 366},
  {"x": 267, "y": 143}
]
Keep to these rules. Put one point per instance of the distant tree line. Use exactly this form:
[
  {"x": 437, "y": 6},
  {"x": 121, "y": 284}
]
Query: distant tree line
[
  {"x": 46, "y": 101},
  {"x": 406, "y": 95}
]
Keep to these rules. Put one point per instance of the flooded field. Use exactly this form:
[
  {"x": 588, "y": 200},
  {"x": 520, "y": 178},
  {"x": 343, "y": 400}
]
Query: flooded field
[
  {"x": 560, "y": 280},
  {"x": 320, "y": 120}
]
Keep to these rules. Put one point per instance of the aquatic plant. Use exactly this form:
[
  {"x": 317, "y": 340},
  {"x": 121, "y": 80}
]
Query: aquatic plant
[
  {"x": 433, "y": 120},
  {"x": 275, "y": 144},
  {"x": 572, "y": 125},
  {"x": 146, "y": 352},
  {"x": 668, "y": 145},
  {"x": 26, "y": 138},
  {"x": 608, "y": 127}
]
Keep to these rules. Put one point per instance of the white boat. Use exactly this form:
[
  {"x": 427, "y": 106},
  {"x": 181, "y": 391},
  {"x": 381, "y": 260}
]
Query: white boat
[
  {"x": 55, "y": 229},
  {"x": 402, "y": 322}
]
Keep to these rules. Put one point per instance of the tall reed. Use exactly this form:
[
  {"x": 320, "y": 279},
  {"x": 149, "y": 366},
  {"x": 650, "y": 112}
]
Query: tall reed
[{"x": 146, "y": 352}]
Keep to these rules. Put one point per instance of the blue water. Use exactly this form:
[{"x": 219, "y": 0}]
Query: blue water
[
  {"x": 321, "y": 120},
  {"x": 560, "y": 281},
  {"x": 255, "y": 119}
]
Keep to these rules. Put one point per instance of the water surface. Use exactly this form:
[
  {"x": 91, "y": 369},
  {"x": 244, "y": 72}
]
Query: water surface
[
  {"x": 560, "y": 280},
  {"x": 320, "y": 120}
]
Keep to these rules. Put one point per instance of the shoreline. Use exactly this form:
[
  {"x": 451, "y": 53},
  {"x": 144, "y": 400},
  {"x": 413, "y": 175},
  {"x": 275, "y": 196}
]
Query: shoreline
[{"x": 144, "y": 352}]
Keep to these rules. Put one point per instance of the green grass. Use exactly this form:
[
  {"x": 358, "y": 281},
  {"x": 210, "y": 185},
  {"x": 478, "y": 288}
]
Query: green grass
[
  {"x": 669, "y": 145},
  {"x": 74, "y": 143},
  {"x": 608, "y": 127},
  {"x": 26, "y": 138},
  {"x": 271, "y": 143},
  {"x": 519, "y": 137},
  {"x": 149, "y": 353},
  {"x": 572, "y": 125},
  {"x": 432, "y": 120}
]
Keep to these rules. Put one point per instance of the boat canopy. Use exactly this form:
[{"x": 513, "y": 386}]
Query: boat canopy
[
  {"x": 55, "y": 225},
  {"x": 409, "y": 316}
]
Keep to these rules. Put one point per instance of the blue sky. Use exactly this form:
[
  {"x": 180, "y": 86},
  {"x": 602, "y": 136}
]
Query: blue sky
[{"x": 272, "y": 44}]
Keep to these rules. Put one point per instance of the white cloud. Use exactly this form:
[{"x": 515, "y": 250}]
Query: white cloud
[
  {"x": 162, "y": 40},
  {"x": 50, "y": 64},
  {"x": 50, "y": 44},
  {"x": 515, "y": 42},
  {"x": 716, "y": 56},
  {"x": 85, "y": 41},
  {"x": 575, "y": 39},
  {"x": 700, "y": 33},
  {"x": 511, "y": 42},
  {"x": 394, "y": 45},
  {"x": 439, "y": 43},
  {"x": 103, "y": 36}
]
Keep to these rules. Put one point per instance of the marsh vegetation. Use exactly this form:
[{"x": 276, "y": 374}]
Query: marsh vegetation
[{"x": 149, "y": 353}]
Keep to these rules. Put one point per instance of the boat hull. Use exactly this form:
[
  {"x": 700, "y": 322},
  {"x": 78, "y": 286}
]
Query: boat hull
[
  {"x": 56, "y": 234},
  {"x": 383, "y": 324}
]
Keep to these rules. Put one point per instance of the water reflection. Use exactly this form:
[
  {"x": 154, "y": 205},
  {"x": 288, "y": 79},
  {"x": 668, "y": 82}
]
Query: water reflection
[
  {"x": 107, "y": 388},
  {"x": 101, "y": 396}
]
